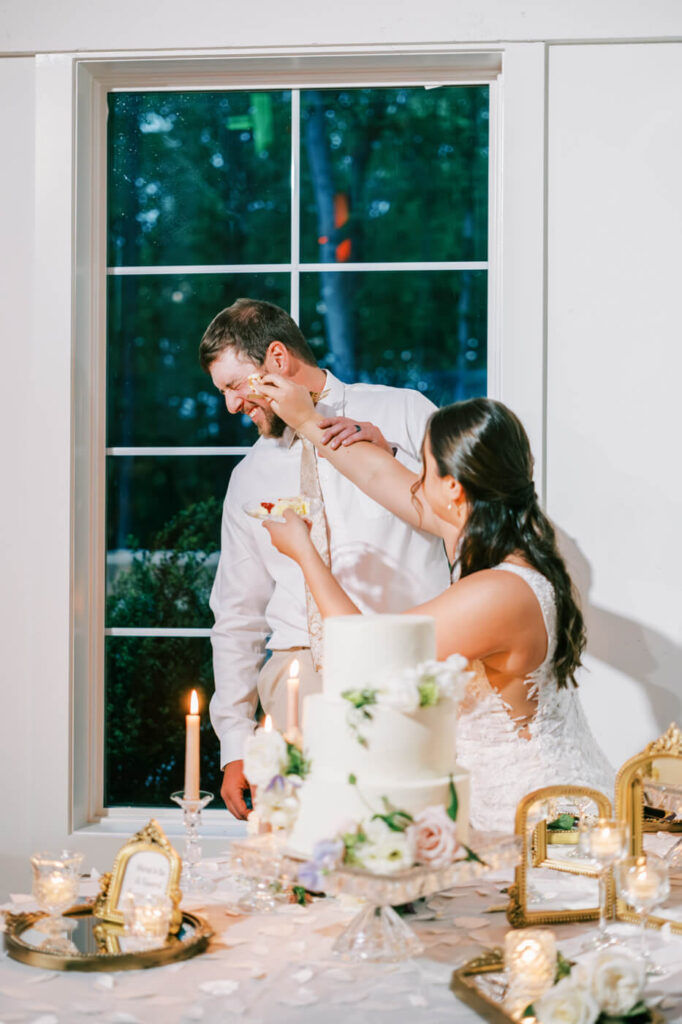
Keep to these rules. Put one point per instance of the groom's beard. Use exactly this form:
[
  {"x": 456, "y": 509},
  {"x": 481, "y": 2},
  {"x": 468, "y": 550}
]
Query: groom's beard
[{"x": 273, "y": 426}]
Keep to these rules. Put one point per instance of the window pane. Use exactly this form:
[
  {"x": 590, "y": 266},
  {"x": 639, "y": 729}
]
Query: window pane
[
  {"x": 157, "y": 394},
  {"x": 394, "y": 174},
  {"x": 163, "y": 537},
  {"x": 148, "y": 683},
  {"x": 419, "y": 329},
  {"x": 199, "y": 178}
]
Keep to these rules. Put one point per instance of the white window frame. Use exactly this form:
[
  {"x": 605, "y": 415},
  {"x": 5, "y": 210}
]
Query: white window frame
[{"x": 70, "y": 337}]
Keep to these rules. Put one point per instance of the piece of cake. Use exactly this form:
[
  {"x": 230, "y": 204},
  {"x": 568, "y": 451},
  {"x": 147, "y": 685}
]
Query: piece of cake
[{"x": 388, "y": 748}]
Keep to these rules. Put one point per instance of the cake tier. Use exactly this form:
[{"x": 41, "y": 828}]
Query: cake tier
[
  {"x": 415, "y": 747},
  {"x": 361, "y": 650},
  {"x": 332, "y": 806}
]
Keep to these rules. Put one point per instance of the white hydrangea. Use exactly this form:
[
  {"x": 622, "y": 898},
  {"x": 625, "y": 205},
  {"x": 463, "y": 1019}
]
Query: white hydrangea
[
  {"x": 265, "y": 755},
  {"x": 400, "y": 691},
  {"x": 277, "y": 803}
]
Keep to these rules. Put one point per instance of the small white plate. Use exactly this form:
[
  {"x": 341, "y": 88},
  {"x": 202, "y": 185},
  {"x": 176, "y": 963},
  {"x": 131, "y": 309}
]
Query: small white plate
[{"x": 260, "y": 510}]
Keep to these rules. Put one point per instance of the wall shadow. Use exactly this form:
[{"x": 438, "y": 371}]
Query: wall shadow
[{"x": 639, "y": 651}]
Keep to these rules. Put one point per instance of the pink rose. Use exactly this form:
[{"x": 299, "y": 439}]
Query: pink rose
[{"x": 434, "y": 837}]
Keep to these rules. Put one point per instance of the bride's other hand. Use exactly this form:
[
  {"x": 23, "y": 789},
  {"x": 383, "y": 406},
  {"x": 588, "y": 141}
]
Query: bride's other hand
[
  {"x": 340, "y": 430},
  {"x": 291, "y": 537},
  {"x": 292, "y": 402}
]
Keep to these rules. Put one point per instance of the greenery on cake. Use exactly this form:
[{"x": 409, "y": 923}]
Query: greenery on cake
[
  {"x": 422, "y": 686},
  {"x": 391, "y": 840}
]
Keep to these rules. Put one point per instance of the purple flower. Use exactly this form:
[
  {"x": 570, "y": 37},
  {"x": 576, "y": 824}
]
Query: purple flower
[
  {"x": 309, "y": 876},
  {"x": 277, "y": 782},
  {"x": 328, "y": 853}
]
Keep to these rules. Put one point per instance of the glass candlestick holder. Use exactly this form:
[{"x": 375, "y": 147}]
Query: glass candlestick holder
[{"x": 191, "y": 879}]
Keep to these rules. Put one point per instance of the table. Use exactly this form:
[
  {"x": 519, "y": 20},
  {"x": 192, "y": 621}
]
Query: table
[{"x": 279, "y": 967}]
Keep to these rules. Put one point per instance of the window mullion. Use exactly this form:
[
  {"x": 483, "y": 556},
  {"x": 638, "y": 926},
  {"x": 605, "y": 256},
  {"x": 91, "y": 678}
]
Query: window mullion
[{"x": 295, "y": 203}]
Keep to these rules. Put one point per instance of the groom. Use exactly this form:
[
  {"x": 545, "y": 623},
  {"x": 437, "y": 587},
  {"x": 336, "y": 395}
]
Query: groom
[{"x": 258, "y": 597}]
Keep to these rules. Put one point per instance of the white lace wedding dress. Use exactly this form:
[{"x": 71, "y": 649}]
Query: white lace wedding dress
[{"x": 561, "y": 749}]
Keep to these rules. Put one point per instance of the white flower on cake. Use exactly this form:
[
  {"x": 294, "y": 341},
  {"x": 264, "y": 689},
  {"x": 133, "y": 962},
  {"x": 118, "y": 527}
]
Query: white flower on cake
[
  {"x": 278, "y": 801},
  {"x": 566, "y": 1003},
  {"x": 617, "y": 982},
  {"x": 401, "y": 692},
  {"x": 265, "y": 756},
  {"x": 421, "y": 686},
  {"x": 433, "y": 835},
  {"x": 383, "y": 850}
]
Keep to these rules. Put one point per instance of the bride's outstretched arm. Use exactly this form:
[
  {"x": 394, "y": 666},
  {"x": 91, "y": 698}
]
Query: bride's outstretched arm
[
  {"x": 292, "y": 538},
  {"x": 367, "y": 465}
]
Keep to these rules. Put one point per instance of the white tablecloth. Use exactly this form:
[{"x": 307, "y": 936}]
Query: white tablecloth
[{"x": 279, "y": 967}]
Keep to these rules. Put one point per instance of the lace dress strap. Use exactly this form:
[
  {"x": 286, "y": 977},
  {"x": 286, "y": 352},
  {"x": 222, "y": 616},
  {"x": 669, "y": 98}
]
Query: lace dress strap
[{"x": 544, "y": 592}]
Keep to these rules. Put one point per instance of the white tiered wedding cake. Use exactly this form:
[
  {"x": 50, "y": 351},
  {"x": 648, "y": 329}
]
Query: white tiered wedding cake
[{"x": 368, "y": 736}]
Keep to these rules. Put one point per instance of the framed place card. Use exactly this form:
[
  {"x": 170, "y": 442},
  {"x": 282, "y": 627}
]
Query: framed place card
[{"x": 146, "y": 865}]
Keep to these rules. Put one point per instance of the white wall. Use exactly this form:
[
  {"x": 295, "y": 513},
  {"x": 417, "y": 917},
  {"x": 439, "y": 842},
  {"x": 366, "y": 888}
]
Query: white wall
[
  {"x": 16, "y": 282},
  {"x": 614, "y": 344},
  {"x": 612, "y": 337}
]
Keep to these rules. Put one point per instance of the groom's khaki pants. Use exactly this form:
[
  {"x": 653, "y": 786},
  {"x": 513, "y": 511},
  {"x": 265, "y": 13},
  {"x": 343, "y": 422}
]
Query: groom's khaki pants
[{"x": 272, "y": 683}]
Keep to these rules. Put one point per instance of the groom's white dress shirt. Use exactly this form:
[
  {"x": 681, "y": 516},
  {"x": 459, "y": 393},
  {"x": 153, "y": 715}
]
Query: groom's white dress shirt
[{"x": 258, "y": 597}]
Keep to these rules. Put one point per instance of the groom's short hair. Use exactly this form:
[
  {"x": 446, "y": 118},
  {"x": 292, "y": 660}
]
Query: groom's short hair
[{"x": 249, "y": 326}]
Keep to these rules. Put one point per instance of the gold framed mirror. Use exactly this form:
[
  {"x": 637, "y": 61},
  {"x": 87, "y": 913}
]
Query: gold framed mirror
[
  {"x": 147, "y": 864},
  {"x": 649, "y": 799},
  {"x": 555, "y": 881}
]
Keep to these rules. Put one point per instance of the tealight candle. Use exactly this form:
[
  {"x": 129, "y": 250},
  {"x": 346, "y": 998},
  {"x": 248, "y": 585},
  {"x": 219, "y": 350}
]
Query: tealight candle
[
  {"x": 606, "y": 842},
  {"x": 530, "y": 963},
  {"x": 146, "y": 917}
]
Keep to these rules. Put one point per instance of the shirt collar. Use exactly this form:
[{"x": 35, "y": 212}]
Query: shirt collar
[{"x": 332, "y": 403}]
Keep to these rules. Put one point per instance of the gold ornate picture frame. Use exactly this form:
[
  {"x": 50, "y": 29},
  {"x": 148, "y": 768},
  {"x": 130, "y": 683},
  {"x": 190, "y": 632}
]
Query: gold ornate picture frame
[
  {"x": 146, "y": 863},
  {"x": 535, "y": 854},
  {"x": 665, "y": 752}
]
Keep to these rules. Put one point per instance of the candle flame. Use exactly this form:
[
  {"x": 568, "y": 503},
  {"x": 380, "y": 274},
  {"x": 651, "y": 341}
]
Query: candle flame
[
  {"x": 194, "y": 703},
  {"x": 267, "y": 724},
  {"x": 293, "y": 669}
]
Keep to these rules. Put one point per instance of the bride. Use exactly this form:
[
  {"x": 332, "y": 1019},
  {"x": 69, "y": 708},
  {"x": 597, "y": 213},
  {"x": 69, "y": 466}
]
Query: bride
[{"x": 511, "y": 610}]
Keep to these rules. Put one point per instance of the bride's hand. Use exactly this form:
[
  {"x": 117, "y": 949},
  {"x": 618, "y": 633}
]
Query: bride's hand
[
  {"x": 291, "y": 537},
  {"x": 292, "y": 402}
]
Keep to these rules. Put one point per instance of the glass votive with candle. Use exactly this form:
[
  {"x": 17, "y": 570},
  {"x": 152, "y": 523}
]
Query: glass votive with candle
[
  {"x": 146, "y": 918},
  {"x": 530, "y": 965},
  {"x": 644, "y": 883},
  {"x": 605, "y": 841},
  {"x": 55, "y": 881}
]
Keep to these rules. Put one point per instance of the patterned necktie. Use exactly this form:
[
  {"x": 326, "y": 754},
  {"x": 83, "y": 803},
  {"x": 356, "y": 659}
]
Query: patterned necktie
[{"x": 319, "y": 534}]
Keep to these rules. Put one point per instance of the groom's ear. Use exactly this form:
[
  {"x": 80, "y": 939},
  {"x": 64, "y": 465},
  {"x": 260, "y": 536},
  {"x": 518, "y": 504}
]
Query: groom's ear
[{"x": 277, "y": 359}]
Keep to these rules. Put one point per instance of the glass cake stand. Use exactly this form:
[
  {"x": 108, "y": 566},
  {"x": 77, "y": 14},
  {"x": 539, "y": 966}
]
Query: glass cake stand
[{"x": 378, "y": 933}]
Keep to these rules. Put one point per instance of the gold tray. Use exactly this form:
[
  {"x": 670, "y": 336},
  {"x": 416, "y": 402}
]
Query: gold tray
[
  {"x": 91, "y": 944},
  {"x": 481, "y": 984}
]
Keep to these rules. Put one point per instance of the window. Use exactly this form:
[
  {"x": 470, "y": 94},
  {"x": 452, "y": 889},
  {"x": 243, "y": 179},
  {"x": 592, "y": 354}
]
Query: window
[{"x": 364, "y": 212}]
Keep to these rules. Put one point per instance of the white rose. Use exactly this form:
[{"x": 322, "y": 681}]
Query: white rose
[
  {"x": 401, "y": 692},
  {"x": 566, "y": 1003},
  {"x": 265, "y": 755},
  {"x": 617, "y": 981},
  {"x": 384, "y": 850},
  {"x": 434, "y": 838},
  {"x": 277, "y": 803}
]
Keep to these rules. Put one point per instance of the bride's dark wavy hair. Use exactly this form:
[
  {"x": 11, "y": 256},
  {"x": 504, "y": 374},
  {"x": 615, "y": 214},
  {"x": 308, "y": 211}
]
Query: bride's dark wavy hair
[{"x": 483, "y": 445}]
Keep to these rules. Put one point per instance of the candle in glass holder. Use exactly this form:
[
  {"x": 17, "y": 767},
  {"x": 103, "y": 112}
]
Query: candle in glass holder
[
  {"x": 192, "y": 722},
  {"x": 146, "y": 917},
  {"x": 606, "y": 842},
  {"x": 530, "y": 964}
]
